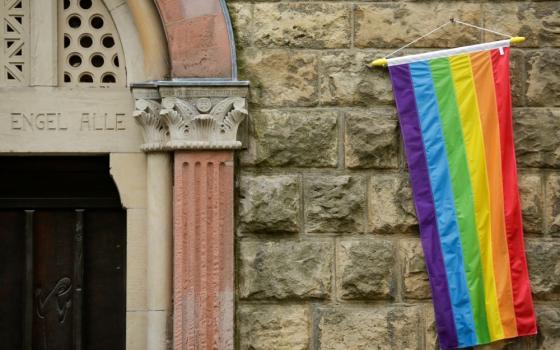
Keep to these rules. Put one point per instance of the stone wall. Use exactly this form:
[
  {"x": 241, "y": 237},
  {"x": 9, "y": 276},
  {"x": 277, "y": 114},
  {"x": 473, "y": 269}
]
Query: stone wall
[{"x": 328, "y": 252}]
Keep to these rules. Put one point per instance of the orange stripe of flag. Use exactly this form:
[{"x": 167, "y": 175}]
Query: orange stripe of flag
[{"x": 485, "y": 88}]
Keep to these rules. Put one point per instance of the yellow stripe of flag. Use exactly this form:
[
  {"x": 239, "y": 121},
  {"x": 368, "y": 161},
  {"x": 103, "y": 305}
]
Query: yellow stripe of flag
[{"x": 474, "y": 145}]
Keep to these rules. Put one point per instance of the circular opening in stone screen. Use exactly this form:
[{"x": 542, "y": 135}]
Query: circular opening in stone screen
[
  {"x": 108, "y": 41},
  {"x": 97, "y": 60},
  {"x": 97, "y": 22},
  {"x": 74, "y": 60},
  {"x": 86, "y": 78},
  {"x": 109, "y": 78},
  {"x": 74, "y": 21},
  {"x": 85, "y": 4},
  {"x": 86, "y": 41}
]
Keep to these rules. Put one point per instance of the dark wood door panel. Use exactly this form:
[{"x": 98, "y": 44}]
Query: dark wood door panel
[
  {"x": 62, "y": 262},
  {"x": 12, "y": 278},
  {"x": 105, "y": 279},
  {"x": 54, "y": 284},
  {"x": 73, "y": 296}
]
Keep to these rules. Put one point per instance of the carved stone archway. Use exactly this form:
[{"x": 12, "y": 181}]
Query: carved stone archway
[
  {"x": 178, "y": 58},
  {"x": 198, "y": 116}
]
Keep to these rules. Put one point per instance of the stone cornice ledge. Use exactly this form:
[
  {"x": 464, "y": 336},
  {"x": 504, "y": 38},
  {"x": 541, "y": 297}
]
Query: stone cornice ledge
[{"x": 191, "y": 115}]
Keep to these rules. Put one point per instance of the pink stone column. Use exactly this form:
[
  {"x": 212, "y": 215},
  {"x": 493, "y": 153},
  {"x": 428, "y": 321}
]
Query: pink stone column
[{"x": 203, "y": 250}]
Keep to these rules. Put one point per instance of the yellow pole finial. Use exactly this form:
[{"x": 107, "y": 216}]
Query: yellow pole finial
[
  {"x": 380, "y": 62},
  {"x": 517, "y": 39}
]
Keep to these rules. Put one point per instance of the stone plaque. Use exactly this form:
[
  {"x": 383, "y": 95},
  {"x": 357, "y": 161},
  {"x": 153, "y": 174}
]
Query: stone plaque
[{"x": 45, "y": 119}]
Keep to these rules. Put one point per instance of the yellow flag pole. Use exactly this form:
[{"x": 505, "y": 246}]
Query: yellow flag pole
[
  {"x": 517, "y": 39},
  {"x": 382, "y": 62}
]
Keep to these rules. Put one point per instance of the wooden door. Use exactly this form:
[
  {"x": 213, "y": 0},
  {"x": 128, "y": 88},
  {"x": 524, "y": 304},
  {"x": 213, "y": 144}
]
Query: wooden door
[{"x": 62, "y": 269}]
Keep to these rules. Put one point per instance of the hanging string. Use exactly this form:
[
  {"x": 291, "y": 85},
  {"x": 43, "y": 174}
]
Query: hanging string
[
  {"x": 480, "y": 28},
  {"x": 451, "y": 20},
  {"x": 413, "y": 41}
]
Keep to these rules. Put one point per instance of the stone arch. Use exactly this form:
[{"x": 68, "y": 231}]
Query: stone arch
[
  {"x": 200, "y": 38},
  {"x": 142, "y": 37}
]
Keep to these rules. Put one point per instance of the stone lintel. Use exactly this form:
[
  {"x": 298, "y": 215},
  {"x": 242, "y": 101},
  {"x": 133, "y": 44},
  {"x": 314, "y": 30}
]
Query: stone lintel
[{"x": 191, "y": 115}]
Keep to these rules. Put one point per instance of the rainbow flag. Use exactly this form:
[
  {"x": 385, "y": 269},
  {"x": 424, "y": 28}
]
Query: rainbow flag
[{"x": 454, "y": 108}]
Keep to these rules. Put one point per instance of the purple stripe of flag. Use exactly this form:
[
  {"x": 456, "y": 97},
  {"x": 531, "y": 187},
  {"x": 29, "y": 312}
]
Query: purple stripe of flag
[{"x": 425, "y": 208}]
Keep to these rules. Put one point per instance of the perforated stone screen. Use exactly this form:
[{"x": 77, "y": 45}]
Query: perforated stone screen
[
  {"x": 15, "y": 42},
  {"x": 90, "y": 53}
]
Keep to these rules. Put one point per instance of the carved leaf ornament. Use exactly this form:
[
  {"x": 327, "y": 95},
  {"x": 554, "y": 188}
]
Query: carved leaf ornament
[{"x": 190, "y": 124}]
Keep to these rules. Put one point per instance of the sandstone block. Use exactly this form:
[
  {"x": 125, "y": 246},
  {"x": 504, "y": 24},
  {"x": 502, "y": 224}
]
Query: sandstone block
[
  {"x": 371, "y": 139},
  {"x": 269, "y": 204},
  {"x": 345, "y": 80},
  {"x": 416, "y": 284},
  {"x": 365, "y": 269},
  {"x": 302, "y": 25},
  {"x": 530, "y": 191},
  {"x": 334, "y": 204},
  {"x": 285, "y": 270},
  {"x": 517, "y": 67},
  {"x": 552, "y": 211},
  {"x": 241, "y": 18},
  {"x": 264, "y": 327},
  {"x": 280, "y": 78},
  {"x": 544, "y": 268},
  {"x": 537, "y": 137},
  {"x": 430, "y": 333},
  {"x": 395, "y": 327},
  {"x": 537, "y": 22},
  {"x": 391, "y": 209},
  {"x": 395, "y": 24},
  {"x": 297, "y": 139},
  {"x": 548, "y": 321},
  {"x": 543, "y": 78}
]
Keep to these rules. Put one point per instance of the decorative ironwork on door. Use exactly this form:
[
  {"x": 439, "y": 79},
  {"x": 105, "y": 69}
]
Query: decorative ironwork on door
[{"x": 62, "y": 267}]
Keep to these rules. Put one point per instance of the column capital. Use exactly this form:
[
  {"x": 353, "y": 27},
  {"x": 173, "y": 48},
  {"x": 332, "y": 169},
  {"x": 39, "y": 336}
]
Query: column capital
[{"x": 188, "y": 115}]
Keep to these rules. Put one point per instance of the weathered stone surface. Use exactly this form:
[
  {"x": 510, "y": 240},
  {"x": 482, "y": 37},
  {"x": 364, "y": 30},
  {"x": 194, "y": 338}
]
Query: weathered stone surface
[
  {"x": 396, "y": 24},
  {"x": 544, "y": 268},
  {"x": 530, "y": 191},
  {"x": 280, "y": 78},
  {"x": 543, "y": 78},
  {"x": 269, "y": 204},
  {"x": 241, "y": 18},
  {"x": 517, "y": 67},
  {"x": 334, "y": 204},
  {"x": 537, "y": 137},
  {"x": 285, "y": 270},
  {"x": 430, "y": 334},
  {"x": 365, "y": 269},
  {"x": 552, "y": 211},
  {"x": 527, "y": 136},
  {"x": 369, "y": 328},
  {"x": 301, "y": 25},
  {"x": 391, "y": 209},
  {"x": 416, "y": 284},
  {"x": 345, "y": 79},
  {"x": 264, "y": 327},
  {"x": 537, "y": 22},
  {"x": 371, "y": 139},
  {"x": 548, "y": 321},
  {"x": 293, "y": 138}
]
